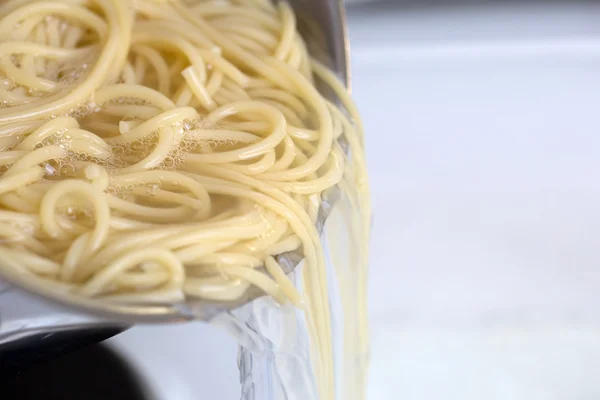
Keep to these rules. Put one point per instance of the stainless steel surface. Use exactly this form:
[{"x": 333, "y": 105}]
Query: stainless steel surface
[
  {"x": 28, "y": 310},
  {"x": 323, "y": 25},
  {"x": 33, "y": 329}
]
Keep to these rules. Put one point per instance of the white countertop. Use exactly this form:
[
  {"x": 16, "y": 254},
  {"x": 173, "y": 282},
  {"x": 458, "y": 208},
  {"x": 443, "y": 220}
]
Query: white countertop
[{"x": 483, "y": 143}]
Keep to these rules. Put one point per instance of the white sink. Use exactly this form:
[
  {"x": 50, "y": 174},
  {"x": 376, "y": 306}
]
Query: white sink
[
  {"x": 483, "y": 142},
  {"x": 482, "y": 134}
]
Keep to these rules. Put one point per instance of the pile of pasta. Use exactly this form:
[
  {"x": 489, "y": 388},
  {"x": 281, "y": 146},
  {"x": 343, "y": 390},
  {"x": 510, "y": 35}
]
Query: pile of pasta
[{"x": 155, "y": 151}]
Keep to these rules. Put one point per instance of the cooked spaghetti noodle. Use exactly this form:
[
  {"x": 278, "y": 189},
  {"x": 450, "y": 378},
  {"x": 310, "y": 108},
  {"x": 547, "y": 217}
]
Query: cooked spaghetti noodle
[{"x": 153, "y": 151}]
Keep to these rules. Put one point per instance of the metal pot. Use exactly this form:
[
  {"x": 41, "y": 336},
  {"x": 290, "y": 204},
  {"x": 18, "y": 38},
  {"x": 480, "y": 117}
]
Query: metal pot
[{"x": 36, "y": 324}]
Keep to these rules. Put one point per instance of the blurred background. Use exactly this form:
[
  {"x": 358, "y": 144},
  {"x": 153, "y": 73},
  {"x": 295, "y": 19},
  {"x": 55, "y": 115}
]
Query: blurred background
[
  {"x": 483, "y": 143},
  {"x": 483, "y": 147}
]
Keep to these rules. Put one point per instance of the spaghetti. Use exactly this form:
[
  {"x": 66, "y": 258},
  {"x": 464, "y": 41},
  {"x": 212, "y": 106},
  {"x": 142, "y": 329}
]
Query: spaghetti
[{"x": 153, "y": 151}]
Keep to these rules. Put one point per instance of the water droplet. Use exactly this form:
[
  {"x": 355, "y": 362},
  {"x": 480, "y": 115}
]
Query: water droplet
[
  {"x": 49, "y": 169},
  {"x": 137, "y": 145},
  {"x": 117, "y": 150},
  {"x": 169, "y": 162},
  {"x": 67, "y": 169}
]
